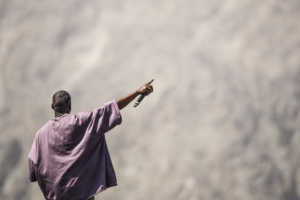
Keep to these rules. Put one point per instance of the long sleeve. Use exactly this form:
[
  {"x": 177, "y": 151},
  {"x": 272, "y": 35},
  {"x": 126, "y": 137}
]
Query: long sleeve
[
  {"x": 32, "y": 160},
  {"x": 101, "y": 119},
  {"x": 110, "y": 117},
  {"x": 32, "y": 171}
]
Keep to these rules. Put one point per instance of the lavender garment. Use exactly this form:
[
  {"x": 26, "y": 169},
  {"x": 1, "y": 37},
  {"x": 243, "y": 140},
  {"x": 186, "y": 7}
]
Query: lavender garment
[{"x": 69, "y": 157}]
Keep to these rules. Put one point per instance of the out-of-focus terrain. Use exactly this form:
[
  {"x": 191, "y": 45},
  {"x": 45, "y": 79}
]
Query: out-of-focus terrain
[{"x": 223, "y": 122}]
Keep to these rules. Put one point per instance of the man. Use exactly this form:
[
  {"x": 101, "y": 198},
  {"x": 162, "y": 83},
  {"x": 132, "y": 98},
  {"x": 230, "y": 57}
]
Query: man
[{"x": 69, "y": 157}]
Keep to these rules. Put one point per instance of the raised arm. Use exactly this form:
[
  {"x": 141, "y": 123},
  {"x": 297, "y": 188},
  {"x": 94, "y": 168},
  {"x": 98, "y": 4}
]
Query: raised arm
[{"x": 146, "y": 89}]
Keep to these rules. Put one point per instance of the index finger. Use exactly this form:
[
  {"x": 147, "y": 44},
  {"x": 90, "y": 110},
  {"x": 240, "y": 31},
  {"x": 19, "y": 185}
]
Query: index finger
[{"x": 150, "y": 82}]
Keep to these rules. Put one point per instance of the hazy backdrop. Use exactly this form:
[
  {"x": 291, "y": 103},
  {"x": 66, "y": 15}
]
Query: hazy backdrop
[{"x": 223, "y": 122}]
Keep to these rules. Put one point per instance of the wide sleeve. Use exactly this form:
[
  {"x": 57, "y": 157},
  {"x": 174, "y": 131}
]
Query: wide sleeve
[
  {"x": 32, "y": 160},
  {"x": 111, "y": 116},
  {"x": 100, "y": 120},
  {"x": 32, "y": 171}
]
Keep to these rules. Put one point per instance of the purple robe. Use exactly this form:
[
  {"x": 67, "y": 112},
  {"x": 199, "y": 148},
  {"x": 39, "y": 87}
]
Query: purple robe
[{"x": 69, "y": 157}]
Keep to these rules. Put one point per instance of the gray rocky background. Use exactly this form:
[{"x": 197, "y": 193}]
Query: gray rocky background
[{"x": 223, "y": 122}]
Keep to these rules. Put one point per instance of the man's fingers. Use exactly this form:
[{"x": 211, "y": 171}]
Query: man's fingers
[
  {"x": 149, "y": 88},
  {"x": 150, "y": 82}
]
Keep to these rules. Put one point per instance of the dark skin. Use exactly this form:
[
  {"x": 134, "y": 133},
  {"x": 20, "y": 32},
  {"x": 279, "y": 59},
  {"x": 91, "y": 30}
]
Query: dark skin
[
  {"x": 145, "y": 89},
  {"x": 57, "y": 114}
]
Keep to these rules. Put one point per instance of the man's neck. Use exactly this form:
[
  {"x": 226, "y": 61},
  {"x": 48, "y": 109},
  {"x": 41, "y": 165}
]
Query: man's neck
[{"x": 57, "y": 114}]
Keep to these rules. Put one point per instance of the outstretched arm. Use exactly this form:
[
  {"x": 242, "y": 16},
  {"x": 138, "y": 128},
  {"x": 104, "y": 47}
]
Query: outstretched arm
[{"x": 146, "y": 89}]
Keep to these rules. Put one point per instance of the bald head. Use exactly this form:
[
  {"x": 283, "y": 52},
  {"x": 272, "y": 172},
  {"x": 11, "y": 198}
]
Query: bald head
[{"x": 61, "y": 102}]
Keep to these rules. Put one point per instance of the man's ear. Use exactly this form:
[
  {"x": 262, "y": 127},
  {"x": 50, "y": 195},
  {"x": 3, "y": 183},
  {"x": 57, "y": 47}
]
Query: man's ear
[{"x": 70, "y": 108}]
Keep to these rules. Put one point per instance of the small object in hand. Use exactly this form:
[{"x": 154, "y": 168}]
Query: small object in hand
[{"x": 139, "y": 100}]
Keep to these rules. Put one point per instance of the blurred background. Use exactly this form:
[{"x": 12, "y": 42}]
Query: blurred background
[{"x": 223, "y": 122}]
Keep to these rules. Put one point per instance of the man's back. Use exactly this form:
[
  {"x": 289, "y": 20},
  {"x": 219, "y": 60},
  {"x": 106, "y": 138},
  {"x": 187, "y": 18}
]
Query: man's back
[{"x": 69, "y": 156}]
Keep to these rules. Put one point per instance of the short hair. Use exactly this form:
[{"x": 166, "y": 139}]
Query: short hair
[{"x": 61, "y": 101}]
